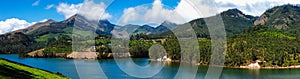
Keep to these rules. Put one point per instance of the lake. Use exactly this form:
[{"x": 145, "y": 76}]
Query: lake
[{"x": 168, "y": 71}]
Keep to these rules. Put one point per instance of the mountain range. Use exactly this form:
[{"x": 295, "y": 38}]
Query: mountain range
[
  {"x": 284, "y": 17},
  {"x": 34, "y": 37}
]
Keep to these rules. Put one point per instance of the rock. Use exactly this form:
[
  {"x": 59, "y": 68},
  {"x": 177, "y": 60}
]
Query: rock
[
  {"x": 261, "y": 21},
  {"x": 83, "y": 55},
  {"x": 165, "y": 58},
  {"x": 37, "y": 53},
  {"x": 254, "y": 65}
]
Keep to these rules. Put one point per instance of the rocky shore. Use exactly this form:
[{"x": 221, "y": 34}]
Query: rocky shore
[
  {"x": 83, "y": 55},
  {"x": 255, "y": 65},
  {"x": 75, "y": 55},
  {"x": 39, "y": 54}
]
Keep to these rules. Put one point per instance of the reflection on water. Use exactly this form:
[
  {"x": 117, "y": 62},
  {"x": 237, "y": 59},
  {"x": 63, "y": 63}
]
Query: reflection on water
[{"x": 112, "y": 71}]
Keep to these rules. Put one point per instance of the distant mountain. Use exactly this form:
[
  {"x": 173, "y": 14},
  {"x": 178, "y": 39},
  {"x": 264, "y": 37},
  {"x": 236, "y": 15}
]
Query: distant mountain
[
  {"x": 163, "y": 27},
  {"x": 38, "y": 35},
  {"x": 166, "y": 26},
  {"x": 285, "y": 17},
  {"x": 146, "y": 29},
  {"x": 234, "y": 21},
  {"x": 36, "y": 26},
  {"x": 105, "y": 27}
]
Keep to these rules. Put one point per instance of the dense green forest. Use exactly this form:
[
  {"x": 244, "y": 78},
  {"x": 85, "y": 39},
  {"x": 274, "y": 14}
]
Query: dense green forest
[
  {"x": 18, "y": 43},
  {"x": 61, "y": 45},
  {"x": 271, "y": 46}
]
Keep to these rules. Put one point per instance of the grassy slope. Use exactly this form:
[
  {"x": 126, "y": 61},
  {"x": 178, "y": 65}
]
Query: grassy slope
[{"x": 10, "y": 70}]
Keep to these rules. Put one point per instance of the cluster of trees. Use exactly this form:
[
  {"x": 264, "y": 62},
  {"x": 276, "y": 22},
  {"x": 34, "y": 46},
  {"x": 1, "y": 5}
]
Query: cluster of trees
[
  {"x": 62, "y": 44},
  {"x": 18, "y": 43},
  {"x": 272, "y": 47},
  {"x": 141, "y": 36},
  {"x": 172, "y": 48},
  {"x": 140, "y": 48}
]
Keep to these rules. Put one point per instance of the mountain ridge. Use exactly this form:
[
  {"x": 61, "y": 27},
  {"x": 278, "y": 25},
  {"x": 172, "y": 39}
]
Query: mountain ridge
[
  {"x": 283, "y": 17},
  {"x": 235, "y": 22}
]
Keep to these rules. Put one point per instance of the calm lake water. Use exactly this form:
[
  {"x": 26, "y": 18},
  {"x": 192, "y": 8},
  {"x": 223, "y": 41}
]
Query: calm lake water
[{"x": 112, "y": 71}]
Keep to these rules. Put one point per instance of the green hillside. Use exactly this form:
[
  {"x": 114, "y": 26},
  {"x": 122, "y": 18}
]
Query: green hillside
[
  {"x": 273, "y": 47},
  {"x": 11, "y": 70},
  {"x": 285, "y": 17},
  {"x": 235, "y": 22}
]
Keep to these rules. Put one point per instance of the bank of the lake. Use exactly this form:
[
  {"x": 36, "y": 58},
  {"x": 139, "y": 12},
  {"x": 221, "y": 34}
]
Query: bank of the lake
[
  {"x": 112, "y": 70},
  {"x": 94, "y": 55},
  {"x": 13, "y": 70}
]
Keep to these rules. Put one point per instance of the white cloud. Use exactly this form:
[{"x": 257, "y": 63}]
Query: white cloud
[
  {"x": 252, "y": 7},
  {"x": 88, "y": 9},
  {"x": 36, "y": 3},
  {"x": 49, "y": 6},
  {"x": 187, "y": 10},
  {"x": 247, "y": 2},
  {"x": 132, "y": 14},
  {"x": 68, "y": 10},
  {"x": 157, "y": 13},
  {"x": 92, "y": 11},
  {"x": 154, "y": 14},
  {"x": 13, "y": 24},
  {"x": 194, "y": 9}
]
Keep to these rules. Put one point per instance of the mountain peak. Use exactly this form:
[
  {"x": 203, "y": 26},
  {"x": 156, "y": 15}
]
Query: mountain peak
[
  {"x": 284, "y": 8},
  {"x": 234, "y": 10},
  {"x": 168, "y": 24},
  {"x": 233, "y": 13},
  {"x": 50, "y": 21},
  {"x": 280, "y": 17},
  {"x": 104, "y": 21},
  {"x": 146, "y": 26},
  {"x": 71, "y": 19}
]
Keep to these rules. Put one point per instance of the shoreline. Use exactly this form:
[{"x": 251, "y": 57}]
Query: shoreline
[
  {"x": 268, "y": 67},
  {"x": 177, "y": 61},
  {"x": 288, "y": 67},
  {"x": 24, "y": 65}
]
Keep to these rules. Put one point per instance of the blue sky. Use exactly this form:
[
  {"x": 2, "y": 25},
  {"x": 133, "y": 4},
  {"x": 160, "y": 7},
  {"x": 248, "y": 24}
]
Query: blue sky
[
  {"x": 33, "y": 13},
  {"x": 18, "y": 14}
]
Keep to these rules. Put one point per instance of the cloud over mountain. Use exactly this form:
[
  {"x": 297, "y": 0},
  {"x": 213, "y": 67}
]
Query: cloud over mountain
[
  {"x": 185, "y": 11},
  {"x": 68, "y": 10},
  {"x": 155, "y": 13},
  {"x": 252, "y": 7},
  {"x": 13, "y": 24},
  {"x": 89, "y": 9}
]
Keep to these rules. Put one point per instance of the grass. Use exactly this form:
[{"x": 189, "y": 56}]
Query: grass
[
  {"x": 44, "y": 38},
  {"x": 277, "y": 34},
  {"x": 12, "y": 70}
]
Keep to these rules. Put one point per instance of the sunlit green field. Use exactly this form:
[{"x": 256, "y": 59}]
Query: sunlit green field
[{"x": 10, "y": 70}]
